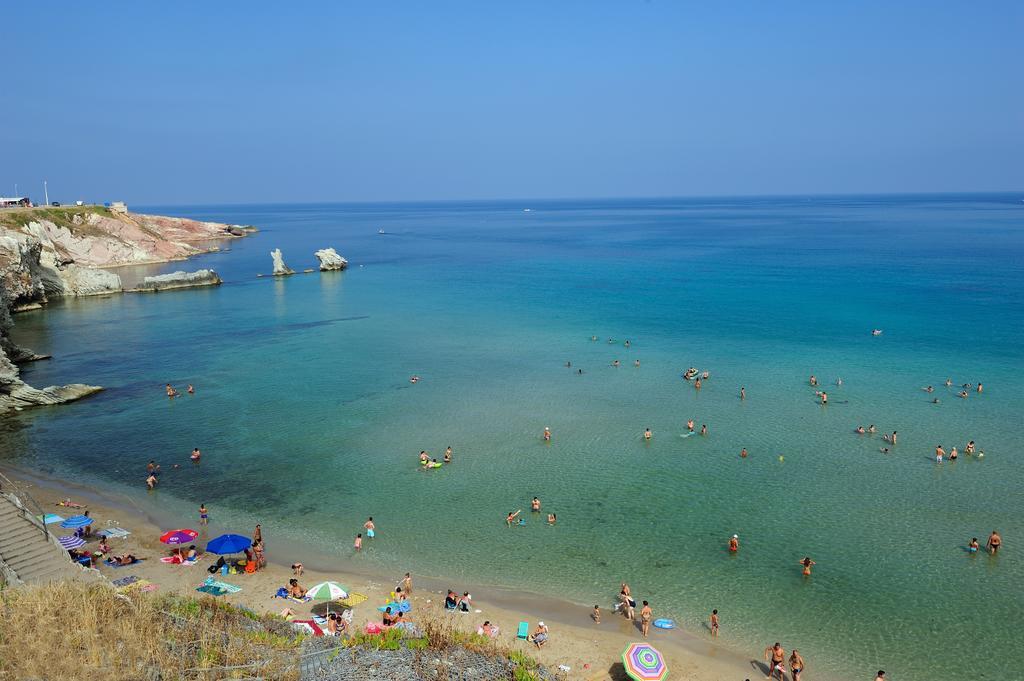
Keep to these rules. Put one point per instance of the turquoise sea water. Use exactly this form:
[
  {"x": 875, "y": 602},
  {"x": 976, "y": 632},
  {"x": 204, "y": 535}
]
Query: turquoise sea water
[{"x": 308, "y": 422}]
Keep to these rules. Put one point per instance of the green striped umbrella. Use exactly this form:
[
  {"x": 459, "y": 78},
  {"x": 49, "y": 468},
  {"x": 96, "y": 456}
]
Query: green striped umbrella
[{"x": 327, "y": 591}]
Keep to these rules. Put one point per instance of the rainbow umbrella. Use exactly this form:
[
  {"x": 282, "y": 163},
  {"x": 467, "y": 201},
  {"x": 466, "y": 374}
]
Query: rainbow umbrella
[
  {"x": 184, "y": 536},
  {"x": 644, "y": 663}
]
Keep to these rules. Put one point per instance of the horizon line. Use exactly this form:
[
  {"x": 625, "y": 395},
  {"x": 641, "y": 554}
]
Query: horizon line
[{"x": 597, "y": 198}]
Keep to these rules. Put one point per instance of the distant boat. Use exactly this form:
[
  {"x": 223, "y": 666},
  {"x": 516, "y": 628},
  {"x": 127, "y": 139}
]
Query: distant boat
[
  {"x": 380, "y": 231},
  {"x": 527, "y": 210},
  {"x": 876, "y": 332}
]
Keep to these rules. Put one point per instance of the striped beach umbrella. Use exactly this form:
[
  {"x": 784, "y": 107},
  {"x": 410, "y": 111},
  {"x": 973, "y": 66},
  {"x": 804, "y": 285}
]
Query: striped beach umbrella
[
  {"x": 71, "y": 542},
  {"x": 183, "y": 536},
  {"x": 327, "y": 591},
  {"x": 77, "y": 521},
  {"x": 644, "y": 663}
]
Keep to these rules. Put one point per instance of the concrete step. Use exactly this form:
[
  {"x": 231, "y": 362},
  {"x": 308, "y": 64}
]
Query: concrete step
[{"x": 33, "y": 555}]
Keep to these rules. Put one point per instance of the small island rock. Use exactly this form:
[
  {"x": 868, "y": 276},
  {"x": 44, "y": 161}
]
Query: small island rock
[
  {"x": 280, "y": 269},
  {"x": 330, "y": 260}
]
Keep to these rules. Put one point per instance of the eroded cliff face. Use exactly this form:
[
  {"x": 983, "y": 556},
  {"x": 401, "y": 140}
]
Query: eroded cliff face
[{"x": 52, "y": 252}]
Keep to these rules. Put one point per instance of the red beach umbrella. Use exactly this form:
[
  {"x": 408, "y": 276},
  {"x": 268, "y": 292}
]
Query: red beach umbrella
[{"x": 184, "y": 536}]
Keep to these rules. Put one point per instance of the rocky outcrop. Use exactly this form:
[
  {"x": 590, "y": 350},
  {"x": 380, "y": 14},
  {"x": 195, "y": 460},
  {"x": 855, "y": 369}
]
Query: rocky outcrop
[
  {"x": 280, "y": 269},
  {"x": 15, "y": 393},
  {"x": 166, "y": 282},
  {"x": 52, "y": 252},
  {"x": 330, "y": 260}
]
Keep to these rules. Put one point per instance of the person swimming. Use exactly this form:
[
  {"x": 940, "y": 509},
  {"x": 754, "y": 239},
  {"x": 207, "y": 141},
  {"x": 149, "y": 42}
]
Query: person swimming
[
  {"x": 171, "y": 392},
  {"x": 872, "y": 429},
  {"x": 547, "y": 434},
  {"x": 969, "y": 449},
  {"x": 734, "y": 543},
  {"x": 615, "y": 363},
  {"x": 859, "y": 430},
  {"x": 448, "y": 454},
  {"x": 195, "y": 454},
  {"x": 647, "y": 434},
  {"x": 703, "y": 429},
  {"x": 972, "y": 546},
  {"x": 424, "y": 457},
  {"x": 689, "y": 425},
  {"x": 535, "y": 505},
  {"x": 511, "y": 518}
]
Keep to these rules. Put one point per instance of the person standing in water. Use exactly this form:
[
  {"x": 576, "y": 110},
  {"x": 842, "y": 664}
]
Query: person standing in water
[
  {"x": 512, "y": 517},
  {"x": 358, "y": 543},
  {"x": 448, "y": 454},
  {"x": 939, "y": 453},
  {"x": 807, "y": 563},
  {"x": 647, "y": 434},
  {"x": 994, "y": 542},
  {"x": 371, "y": 529},
  {"x": 743, "y": 453},
  {"x": 196, "y": 454},
  {"x": 796, "y": 665},
  {"x": 547, "y": 434},
  {"x": 703, "y": 429},
  {"x": 714, "y": 622},
  {"x": 204, "y": 515},
  {"x": 824, "y": 397},
  {"x": 535, "y": 505},
  {"x": 734, "y": 543},
  {"x": 689, "y": 425},
  {"x": 743, "y": 393},
  {"x": 979, "y": 387}
]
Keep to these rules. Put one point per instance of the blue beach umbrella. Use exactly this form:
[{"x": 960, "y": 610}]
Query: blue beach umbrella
[
  {"x": 71, "y": 542},
  {"x": 77, "y": 521},
  {"x": 228, "y": 543}
]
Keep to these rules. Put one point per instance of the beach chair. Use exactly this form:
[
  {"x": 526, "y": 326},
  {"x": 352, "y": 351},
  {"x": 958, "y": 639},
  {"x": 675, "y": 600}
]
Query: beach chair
[{"x": 524, "y": 631}]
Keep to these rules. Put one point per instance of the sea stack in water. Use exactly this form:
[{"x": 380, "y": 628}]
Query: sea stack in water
[
  {"x": 165, "y": 282},
  {"x": 330, "y": 260},
  {"x": 280, "y": 269}
]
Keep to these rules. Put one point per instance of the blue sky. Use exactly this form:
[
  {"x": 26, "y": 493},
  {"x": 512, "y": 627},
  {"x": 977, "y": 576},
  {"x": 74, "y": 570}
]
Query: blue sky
[{"x": 217, "y": 102}]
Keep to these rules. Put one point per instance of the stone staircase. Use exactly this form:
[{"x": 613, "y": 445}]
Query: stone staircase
[{"x": 29, "y": 553}]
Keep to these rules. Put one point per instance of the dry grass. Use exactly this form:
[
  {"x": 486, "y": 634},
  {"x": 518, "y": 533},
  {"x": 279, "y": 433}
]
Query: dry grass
[{"x": 75, "y": 631}]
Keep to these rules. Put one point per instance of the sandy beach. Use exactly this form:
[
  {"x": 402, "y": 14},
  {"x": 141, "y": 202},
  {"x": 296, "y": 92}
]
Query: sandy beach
[{"x": 590, "y": 651}]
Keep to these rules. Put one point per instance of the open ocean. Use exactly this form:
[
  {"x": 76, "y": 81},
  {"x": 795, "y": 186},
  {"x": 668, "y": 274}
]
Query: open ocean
[{"x": 308, "y": 423}]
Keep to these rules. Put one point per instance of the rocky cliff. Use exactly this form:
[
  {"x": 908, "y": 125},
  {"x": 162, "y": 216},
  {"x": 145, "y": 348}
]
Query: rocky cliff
[{"x": 52, "y": 252}]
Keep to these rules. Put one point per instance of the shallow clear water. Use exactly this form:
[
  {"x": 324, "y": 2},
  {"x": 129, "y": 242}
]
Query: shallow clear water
[{"x": 308, "y": 422}]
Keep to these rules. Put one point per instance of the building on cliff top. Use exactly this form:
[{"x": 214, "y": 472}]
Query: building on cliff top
[
  {"x": 14, "y": 201},
  {"x": 118, "y": 207}
]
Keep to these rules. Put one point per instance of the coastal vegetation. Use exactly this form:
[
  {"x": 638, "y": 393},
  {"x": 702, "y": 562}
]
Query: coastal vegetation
[
  {"x": 132, "y": 633},
  {"x": 62, "y": 216}
]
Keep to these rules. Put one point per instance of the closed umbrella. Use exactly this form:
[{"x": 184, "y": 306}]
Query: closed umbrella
[
  {"x": 228, "y": 544},
  {"x": 644, "y": 663},
  {"x": 77, "y": 521},
  {"x": 183, "y": 536},
  {"x": 71, "y": 542}
]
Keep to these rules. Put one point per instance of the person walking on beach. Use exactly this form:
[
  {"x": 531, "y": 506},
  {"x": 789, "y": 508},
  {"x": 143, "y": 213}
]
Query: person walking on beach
[
  {"x": 646, "y": 614},
  {"x": 596, "y": 615},
  {"x": 994, "y": 542},
  {"x": 714, "y": 622},
  {"x": 370, "y": 528},
  {"x": 796, "y": 664},
  {"x": 359, "y": 542},
  {"x": 775, "y": 656}
]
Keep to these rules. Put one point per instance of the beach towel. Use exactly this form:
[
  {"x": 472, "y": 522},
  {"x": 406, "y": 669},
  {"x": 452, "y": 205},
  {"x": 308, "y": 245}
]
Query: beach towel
[
  {"x": 125, "y": 581},
  {"x": 49, "y": 518},
  {"x": 171, "y": 560},
  {"x": 110, "y": 563},
  {"x": 353, "y": 600},
  {"x": 523, "y": 631},
  {"x": 113, "y": 533},
  {"x": 304, "y": 599},
  {"x": 230, "y": 588},
  {"x": 308, "y": 627},
  {"x": 138, "y": 585},
  {"x": 210, "y": 589}
]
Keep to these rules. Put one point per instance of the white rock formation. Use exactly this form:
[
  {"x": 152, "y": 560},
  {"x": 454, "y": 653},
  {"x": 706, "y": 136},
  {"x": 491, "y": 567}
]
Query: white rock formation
[
  {"x": 280, "y": 269},
  {"x": 180, "y": 279},
  {"x": 330, "y": 260}
]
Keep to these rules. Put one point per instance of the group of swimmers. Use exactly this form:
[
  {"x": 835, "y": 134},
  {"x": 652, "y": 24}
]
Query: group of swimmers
[
  {"x": 513, "y": 517},
  {"x": 969, "y": 450},
  {"x": 427, "y": 463},
  {"x": 171, "y": 392},
  {"x": 992, "y": 545}
]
